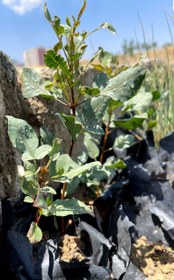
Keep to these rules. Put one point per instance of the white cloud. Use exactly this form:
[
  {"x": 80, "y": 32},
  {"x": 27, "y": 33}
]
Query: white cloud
[{"x": 22, "y": 6}]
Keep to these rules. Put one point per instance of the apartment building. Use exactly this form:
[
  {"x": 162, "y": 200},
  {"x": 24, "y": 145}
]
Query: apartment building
[{"x": 34, "y": 57}]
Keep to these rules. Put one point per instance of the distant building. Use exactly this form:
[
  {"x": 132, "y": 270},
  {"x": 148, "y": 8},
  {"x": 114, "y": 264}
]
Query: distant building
[{"x": 34, "y": 57}]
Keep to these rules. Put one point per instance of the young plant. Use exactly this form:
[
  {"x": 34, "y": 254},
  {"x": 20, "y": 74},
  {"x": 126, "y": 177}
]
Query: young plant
[{"x": 48, "y": 171}]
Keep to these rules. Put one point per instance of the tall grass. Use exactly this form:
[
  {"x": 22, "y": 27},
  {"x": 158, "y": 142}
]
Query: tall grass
[{"x": 160, "y": 77}]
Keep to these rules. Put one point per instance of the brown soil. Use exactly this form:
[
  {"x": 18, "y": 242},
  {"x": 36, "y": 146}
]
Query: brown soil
[
  {"x": 71, "y": 248},
  {"x": 155, "y": 260}
]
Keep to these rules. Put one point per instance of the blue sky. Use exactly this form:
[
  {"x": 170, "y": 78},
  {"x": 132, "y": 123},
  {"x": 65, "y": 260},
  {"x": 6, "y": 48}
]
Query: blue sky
[{"x": 23, "y": 25}]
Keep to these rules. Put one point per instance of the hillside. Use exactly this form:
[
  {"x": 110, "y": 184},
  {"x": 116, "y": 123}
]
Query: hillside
[{"x": 163, "y": 55}]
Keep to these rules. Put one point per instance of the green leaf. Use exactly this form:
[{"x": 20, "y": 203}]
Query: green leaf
[
  {"x": 33, "y": 84},
  {"x": 40, "y": 201},
  {"x": 124, "y": 141},
  {"x": 55, "y": 148},
  {"x": 57, "y": 47},
  {"x": 89, "y": 91},
  {"x": 91, "y": 145},
  {"x": 69, "y": 207},
  {"x": 131, "y": 123},
  {"x": 91, "y": 114},
  {"x": 58, "y": 28},
  {"x": 152, "y": 123},
  {"x": 119, "y": 164},
  {"x": 22, "y": 136},
  {"x": 64, "y": 163},
  {"x": 46, "y": 12},
  {"x": 42, "y": 151},
  {"x": 79, "y": 170},
  {"x": 46, "y": 136},
  {"x": 28, "y": 199},
  {"x": 96, "y": 175},
  {"x": 30, "y": 187},
  {"x": 81, "y": 10},
  {"x": 105, "y": 58},
  {"x": 108, "y": 26},
  {"x": 99, "y": 67},
  {"x": 95, "y": 56},
  {"x": 156, "y": 95},
  {"x": 48, "y": 189},
  {"x": 125, "y": 84},
  {"x": 68, "y": 21},
  {"x": 72, "y": 187},
  {"x": 56, "y": 61},
  {"x": 139, "y": 102},
  {"x": 72, "y": 124},
  {"x": 34, "y": 234},
  {"x": 100, "y": 80}
]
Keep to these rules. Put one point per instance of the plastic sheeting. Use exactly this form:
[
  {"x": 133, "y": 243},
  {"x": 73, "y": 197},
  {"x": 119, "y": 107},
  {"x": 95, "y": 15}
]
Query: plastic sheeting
[{"x": 140, "y": 195}]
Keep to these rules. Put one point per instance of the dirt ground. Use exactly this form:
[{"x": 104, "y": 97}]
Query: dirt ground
[{"x": 156, "y": 261}]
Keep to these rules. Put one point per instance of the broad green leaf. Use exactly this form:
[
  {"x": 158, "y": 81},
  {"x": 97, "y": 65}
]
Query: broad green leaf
[
  {"x": 91, "y": 114},
  {"x": 73, "y": 126},
  {"x": 139, "y": 102},
  {"x": 82, "y": 157},
  {"x": 124, "y": 141},
  {"x": 156, "y": 95},
  {"x": 100, "y": 80},
  {"x": 131, "y": 123},
  {"x": 40, "y": 201},
  {"x": 27, "y": 156},
  {"x": 125, "y": 84},
  {"x": 34, "y": 234},
  {"x": 119, "y": 164},
  {"x": 30, "y": 174},
  {"x": 105, "y": 58},
  {"x": 96, "y": 175},
  {"x": 64, "y": 163},
  {"x": 48, "y": 189},
  {"x": 72, "y": 187},
  {"x": 28, "y": 199},
  {"x": 79, "y": 170},
  {"x": 22, "y": 136},
  {"x": 33, "y": 84},
  {"x": 91, "y": 145},
  {"x": 46, "y": 136},
  {"x": 56, "y": 61},
  {"x": 30, "y": 187},
  {"x": 58, "y": 28},
  {"x": 69, "y": 207},
  {"x": 89, "y": 91},
  {"x": 30, "y": 169},
  {"x": 109, "y": 116},
  {"x": 55, "y": 148},
  {"x": 42, "y": 151}
]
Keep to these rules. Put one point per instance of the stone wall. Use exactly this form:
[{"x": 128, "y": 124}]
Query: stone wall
[
  {"x": 36, "y": 111},
  {"x": 9, "y": 105}
]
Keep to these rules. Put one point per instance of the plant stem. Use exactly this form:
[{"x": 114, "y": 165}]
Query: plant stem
[
  {"x": 105, "y": 139},
  {"x": 38, "y": 216},
  {"x": 63, "y": 191},
  {"x": 71, "y": 148}
]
